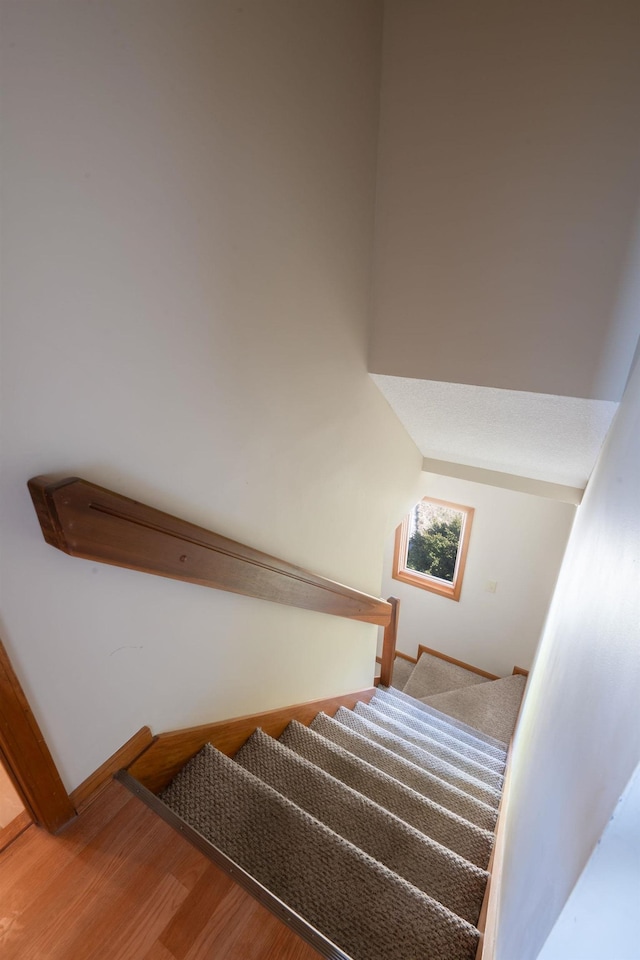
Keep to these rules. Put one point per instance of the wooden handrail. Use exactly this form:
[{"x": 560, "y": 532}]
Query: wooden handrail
[{"x": 88, "y": 521}]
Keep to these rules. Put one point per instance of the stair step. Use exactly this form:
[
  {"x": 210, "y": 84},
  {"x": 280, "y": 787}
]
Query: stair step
[
  {"x": 429, "y": 866},
  {"x": 445, "y": 771},
  {"x": 334, "y": 885},
  {"x": 439, "y": 721},
  {"x": 420, "y": 780},
  {"x": 433, "y": 675},
  {"x": 446, "y": 738},
  {"x": 417, "y": 704},
  {"x": 402, "y": 670},
  {"x": 431, "y": 745},
  {"x": 492, "y": 708},
  {"x": 442, "y": 825}
]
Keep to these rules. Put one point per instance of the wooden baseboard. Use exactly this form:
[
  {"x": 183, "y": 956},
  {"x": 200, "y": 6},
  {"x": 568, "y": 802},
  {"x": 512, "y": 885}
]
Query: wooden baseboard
[
  {"x": 520, "y": 671},
  {"x": 13, "y": 829},
  {"x": 403, "y": 656},
  {"x": 488, "y": 922},
  {"x": 170, "y": 751},
  {"x": 83, "y": 794},
  {"x": 459, "y": 663},
  {"x": 26, "y": 757}
]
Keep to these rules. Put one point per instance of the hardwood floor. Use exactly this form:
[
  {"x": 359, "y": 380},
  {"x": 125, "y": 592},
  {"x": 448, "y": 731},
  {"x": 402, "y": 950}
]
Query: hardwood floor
[{"x": 120, "y": 884}]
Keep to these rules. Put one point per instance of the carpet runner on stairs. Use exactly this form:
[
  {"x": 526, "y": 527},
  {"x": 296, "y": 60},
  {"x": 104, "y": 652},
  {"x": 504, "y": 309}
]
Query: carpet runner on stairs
[
  {"x": 375, "y": 825},
  {"x": 422, "y": 758},
  {"x": 438, "y": 716},
  {"x": 452, "y": 732},
  {"x": 389, "y": 719},
  {"x": 495, "y": 748},
  {"x": 418, "y": 809}
]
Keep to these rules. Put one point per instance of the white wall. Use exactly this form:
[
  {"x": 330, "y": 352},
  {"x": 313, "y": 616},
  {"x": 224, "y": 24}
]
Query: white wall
[
  {"x": 509, "y": 174},
  {"x": 518, "y": 541},
  {"x": 600, "y": 918},
  {"x": 578, "y": 741},
  {"x": 187, "y": 221}
]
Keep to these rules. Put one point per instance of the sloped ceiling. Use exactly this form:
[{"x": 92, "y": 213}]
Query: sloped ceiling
[{"x": 539, "y": 436}]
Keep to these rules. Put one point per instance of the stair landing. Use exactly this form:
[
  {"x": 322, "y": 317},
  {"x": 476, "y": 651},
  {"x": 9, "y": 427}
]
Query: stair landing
[
  {"x": 489, "y": 706},
  {"x": 432, "y": 675}
]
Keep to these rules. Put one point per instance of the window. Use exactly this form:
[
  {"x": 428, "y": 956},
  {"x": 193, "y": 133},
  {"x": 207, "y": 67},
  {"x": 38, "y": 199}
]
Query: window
[{"x": 431, "y": 547}]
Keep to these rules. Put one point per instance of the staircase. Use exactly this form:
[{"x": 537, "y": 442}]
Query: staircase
[
  {"x": 368, "y": 831},
  {"x": 374, "y": 825}
]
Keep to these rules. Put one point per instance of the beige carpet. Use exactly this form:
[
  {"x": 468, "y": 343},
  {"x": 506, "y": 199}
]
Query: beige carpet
[
  {"x": 369, "y": 911},
  {"x": 427, "y": 761},
  {"x": 496, "y": 747},
  {"x": 491, "y": 707},
  {"x": 432, "y": 676},
  {"x": 402, "y": 670},
  {"x": 382, "y": 767},
  {"x": 429, "y": 866},
  {"x": 441, "y": 721}
]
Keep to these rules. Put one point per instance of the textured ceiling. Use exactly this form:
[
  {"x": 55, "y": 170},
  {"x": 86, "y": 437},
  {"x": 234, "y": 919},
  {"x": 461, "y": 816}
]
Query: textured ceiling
[{"x": 555, "y": 439}]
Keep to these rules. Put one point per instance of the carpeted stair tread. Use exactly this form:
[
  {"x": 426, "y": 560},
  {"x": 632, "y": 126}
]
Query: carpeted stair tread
[
  {"x": 364, "y": 908},
  {"x": 429, "y": 866},
  {"x": 463, "y": 837},
  {"x": 492, "y": 707},
  {"x": 419, "y": 704},
  {"x": 420, "y": 711},
  {"x": 445, "y": 771},
  {"x": 430, "y": 745},
  {"x": 433, "y": 675},
  {"x": 395, "y": 712},
  {"x": 422, "y": 781},
  {"x": 402, "y": 670}
]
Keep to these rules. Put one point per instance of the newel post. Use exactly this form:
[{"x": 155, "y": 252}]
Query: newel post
[{"x": 389, "y": 643}]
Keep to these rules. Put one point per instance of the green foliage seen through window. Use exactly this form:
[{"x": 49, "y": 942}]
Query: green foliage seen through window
[{"x": 433, "y": 546}]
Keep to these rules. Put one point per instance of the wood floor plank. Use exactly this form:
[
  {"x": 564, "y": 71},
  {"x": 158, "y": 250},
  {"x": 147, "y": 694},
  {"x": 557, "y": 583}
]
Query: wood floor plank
[
  {"x": 196, "y": 912},
  {"x": 189, "y": 866},
  {"x": 135, "y": 938},
  {"x": 120, "y": 884},
  {"x": 12, "y": 830},
  {"x": 158, "y": 952},
  {"x": 223, "y": 933},
  {"x": 133, "y": 892},
  {"x": 37, "y": 855},
  {"x": 85, "y": 877},
  {"x": 241, "y": 929}
]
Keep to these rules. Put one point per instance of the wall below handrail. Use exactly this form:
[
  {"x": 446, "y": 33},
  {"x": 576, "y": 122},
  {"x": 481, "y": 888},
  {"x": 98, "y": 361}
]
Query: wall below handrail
[{"x": 88, "y": 521}]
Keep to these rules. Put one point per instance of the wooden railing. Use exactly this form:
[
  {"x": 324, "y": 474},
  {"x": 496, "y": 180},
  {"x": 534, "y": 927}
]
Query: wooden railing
[{"x": 88, "y": 521}]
